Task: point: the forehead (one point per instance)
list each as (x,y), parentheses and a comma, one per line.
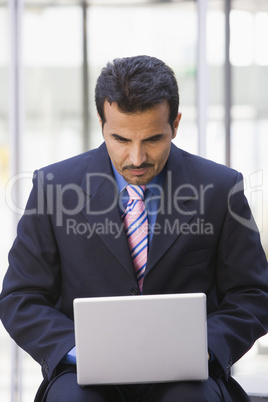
(154,118)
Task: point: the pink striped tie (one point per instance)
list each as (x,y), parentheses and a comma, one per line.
(136,226)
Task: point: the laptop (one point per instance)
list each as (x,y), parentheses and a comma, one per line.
(141,339)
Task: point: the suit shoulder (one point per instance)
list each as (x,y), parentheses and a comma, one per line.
(73,169)
(200,167)
(80,159)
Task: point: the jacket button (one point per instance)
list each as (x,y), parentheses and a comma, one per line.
(134,292)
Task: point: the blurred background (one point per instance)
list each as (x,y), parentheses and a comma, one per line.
(51,53)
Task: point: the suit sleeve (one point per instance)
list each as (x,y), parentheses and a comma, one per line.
(31,289)
(242,286)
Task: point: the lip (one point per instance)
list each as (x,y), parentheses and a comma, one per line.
(138,172)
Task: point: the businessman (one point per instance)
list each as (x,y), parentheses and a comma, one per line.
(76,239)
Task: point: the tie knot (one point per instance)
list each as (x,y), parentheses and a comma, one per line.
(136,192)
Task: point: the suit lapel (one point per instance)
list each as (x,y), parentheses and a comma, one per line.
(101,208)
(173,213)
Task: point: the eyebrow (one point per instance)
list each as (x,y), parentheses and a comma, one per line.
(152,138)
(119,137)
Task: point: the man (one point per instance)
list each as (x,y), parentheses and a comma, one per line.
(72,241)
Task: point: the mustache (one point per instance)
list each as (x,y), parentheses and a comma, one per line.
(142,166)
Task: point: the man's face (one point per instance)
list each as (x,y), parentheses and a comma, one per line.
(138,143)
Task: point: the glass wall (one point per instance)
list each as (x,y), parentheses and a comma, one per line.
(64,47)
(215,138)
(6,232)
(167,31)
(249,143)
(52,56)
(249,130)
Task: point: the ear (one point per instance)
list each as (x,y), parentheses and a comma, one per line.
(176,124)
(100,121)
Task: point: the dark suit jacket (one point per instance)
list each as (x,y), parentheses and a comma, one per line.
(70,244)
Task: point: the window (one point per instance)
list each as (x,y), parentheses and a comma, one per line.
(7,232)
(249,144)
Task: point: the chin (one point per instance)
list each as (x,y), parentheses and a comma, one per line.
(139,180)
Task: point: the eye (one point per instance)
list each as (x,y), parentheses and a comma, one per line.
(120,139)
(155,138)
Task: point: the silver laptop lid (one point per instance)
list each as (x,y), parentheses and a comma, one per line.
(141,339)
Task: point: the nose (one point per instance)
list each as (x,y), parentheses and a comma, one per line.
(137,154)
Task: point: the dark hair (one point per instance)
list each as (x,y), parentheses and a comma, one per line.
(137,84)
